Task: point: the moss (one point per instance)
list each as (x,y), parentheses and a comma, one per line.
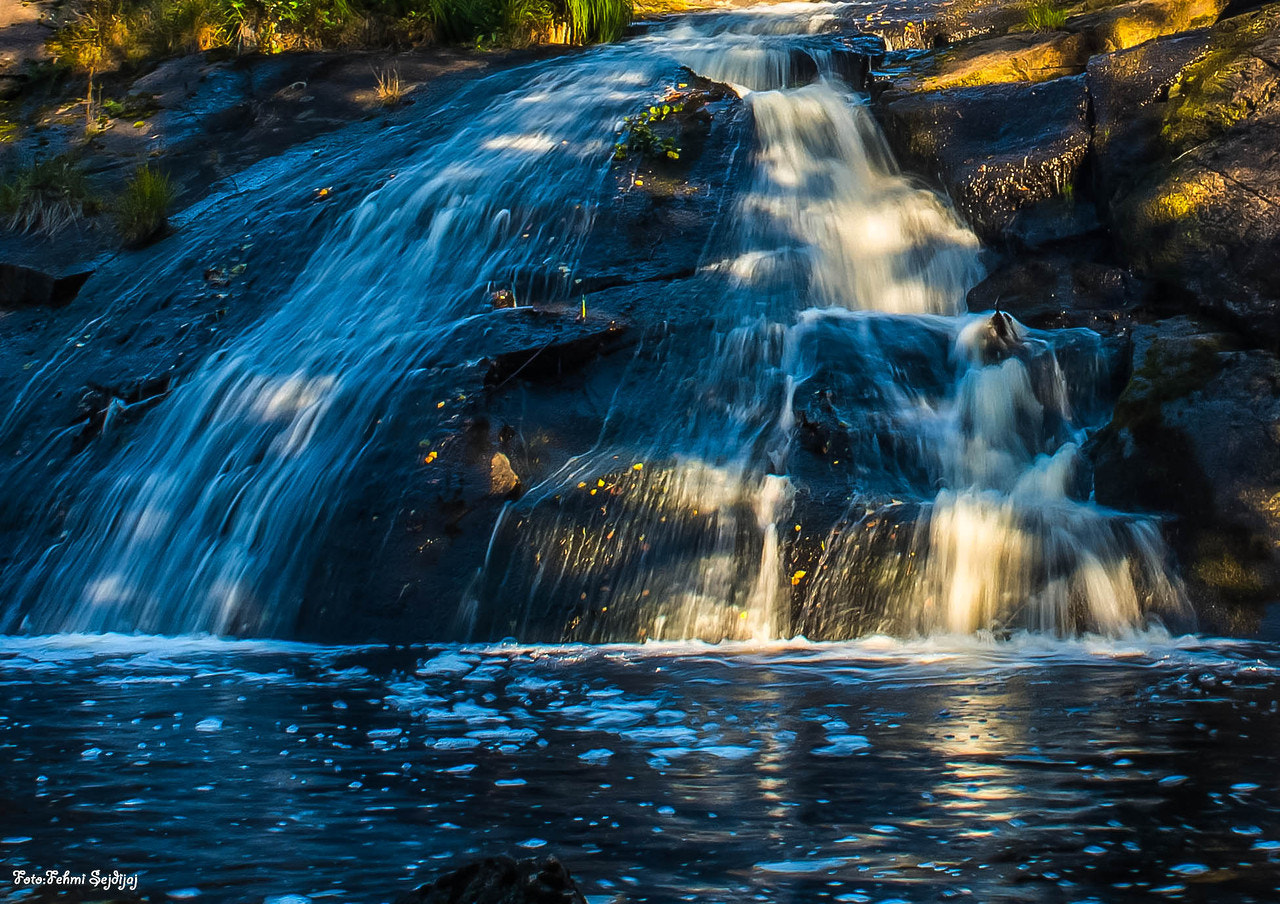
(1224,87)
(1227,567)
(1170,371)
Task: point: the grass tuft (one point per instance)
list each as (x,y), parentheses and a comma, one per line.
(391,90)
(46,197)
(1044,16)
(142,211)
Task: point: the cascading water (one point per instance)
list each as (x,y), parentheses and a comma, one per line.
(206,523)
(829,240)
(841,286)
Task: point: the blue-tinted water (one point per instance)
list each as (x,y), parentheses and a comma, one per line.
(1033,770)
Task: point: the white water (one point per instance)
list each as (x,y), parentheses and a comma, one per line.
(829,262)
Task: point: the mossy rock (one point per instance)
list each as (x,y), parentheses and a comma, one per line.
(1238,78)
(1019,57)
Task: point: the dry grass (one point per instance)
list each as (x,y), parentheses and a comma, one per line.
(391,90)
(46,197)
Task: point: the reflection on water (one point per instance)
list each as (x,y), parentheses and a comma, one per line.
(950,769)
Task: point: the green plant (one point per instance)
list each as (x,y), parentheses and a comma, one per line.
(46,197)
(638,135)
(598,21)
(87,43)
(142,211)
(1042,15)
(186,26)
(526,21)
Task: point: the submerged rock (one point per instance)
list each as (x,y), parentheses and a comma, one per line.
(501,880)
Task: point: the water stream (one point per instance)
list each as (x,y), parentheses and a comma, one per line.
(838,280)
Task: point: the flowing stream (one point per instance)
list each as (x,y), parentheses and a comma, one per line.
(841,288)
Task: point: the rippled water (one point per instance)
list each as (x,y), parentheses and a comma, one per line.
(1113,771)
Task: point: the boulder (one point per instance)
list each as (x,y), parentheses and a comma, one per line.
(501,880)
(1127,91)
(1125,25)
(1017,57)
(1206,214)
(1060,291)
(996,149)
(1196,433)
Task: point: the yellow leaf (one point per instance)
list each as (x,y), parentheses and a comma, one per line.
(798,577)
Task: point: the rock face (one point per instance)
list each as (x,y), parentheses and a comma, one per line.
(1196,433)
(1206,215)
(996,149)
(1060,291)
(1127,91)
(1126,25)
(24,287)
(501,880)
(1164,121)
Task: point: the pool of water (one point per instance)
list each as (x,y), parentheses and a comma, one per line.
(1027,770)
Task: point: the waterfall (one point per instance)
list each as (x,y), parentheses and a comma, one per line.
(961,491)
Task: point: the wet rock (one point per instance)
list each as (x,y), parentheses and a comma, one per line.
(1195,434)
(923,25)
(1060,291)
(997,150)
(1206,215)
(26,287)
(501,880)
(102,408)
(569,346)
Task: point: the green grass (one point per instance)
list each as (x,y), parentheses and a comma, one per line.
(598,21)
(142,211)
(100,35)
(1044,16)
(46,197)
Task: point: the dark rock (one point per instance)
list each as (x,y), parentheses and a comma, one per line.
(1206,214)
(232,119)
(570,347)
(501,880)
(24,287)
(1127,91)
(1060,291)
(1195,434)
(995,149)
(851,67)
